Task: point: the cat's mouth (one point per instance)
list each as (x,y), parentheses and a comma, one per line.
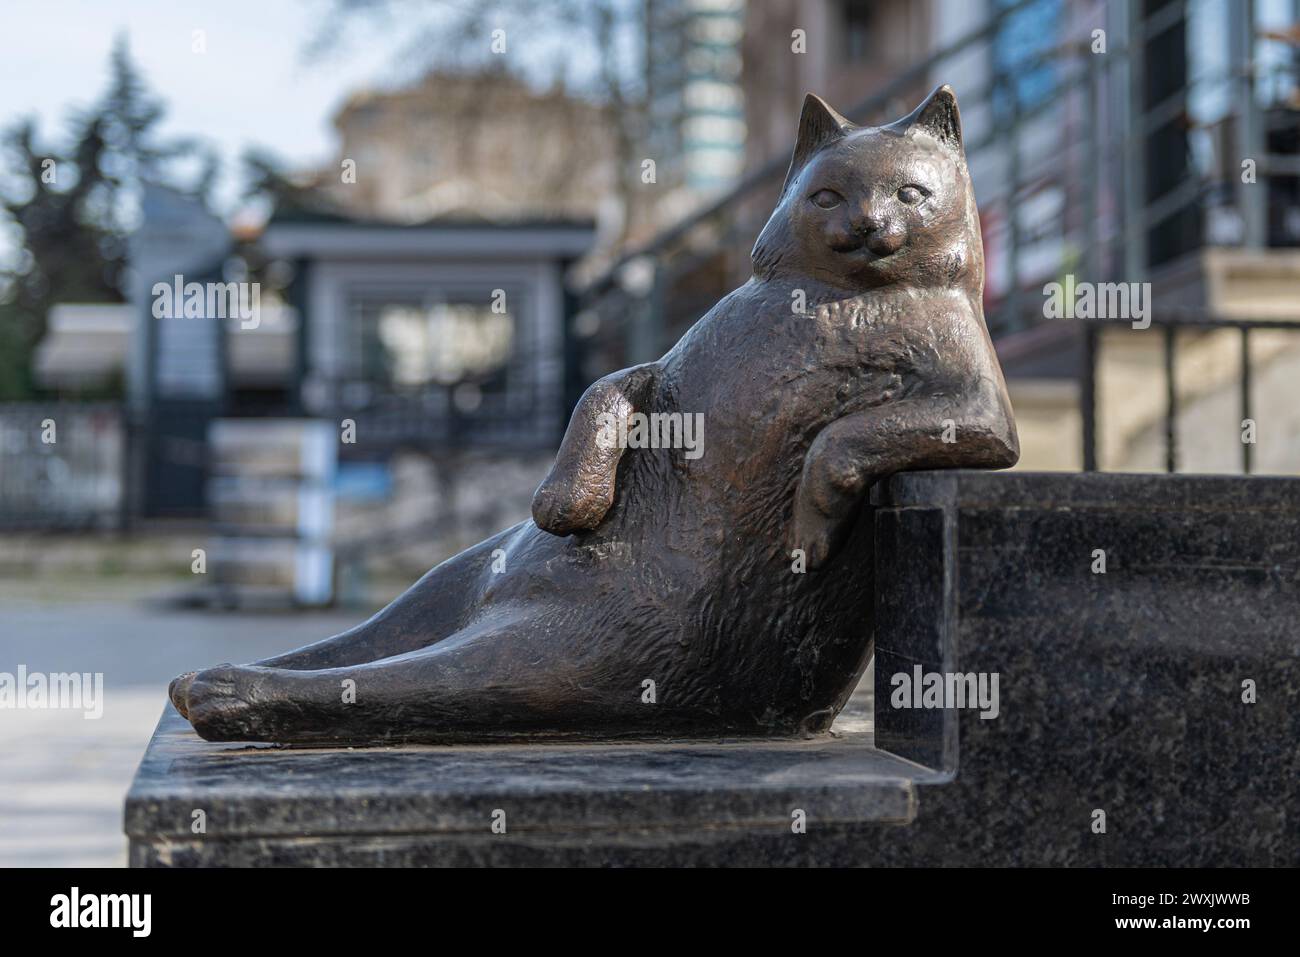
(870,249)
(863,252)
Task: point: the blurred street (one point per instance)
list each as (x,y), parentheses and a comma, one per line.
(61,793)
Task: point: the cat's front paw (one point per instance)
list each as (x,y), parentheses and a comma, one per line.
(811,535)
(825,504)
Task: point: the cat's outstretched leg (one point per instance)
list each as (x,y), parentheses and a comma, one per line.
(483,682)
(434,607)
(579,490)
(428,611)
(854,452)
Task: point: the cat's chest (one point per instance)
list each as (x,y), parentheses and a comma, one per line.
(831,343)
(761,364)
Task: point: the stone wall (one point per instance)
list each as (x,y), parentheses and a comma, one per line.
(1163,692)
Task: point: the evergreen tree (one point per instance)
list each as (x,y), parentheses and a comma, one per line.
(70,210)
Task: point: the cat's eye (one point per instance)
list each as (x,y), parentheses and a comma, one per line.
(826,198)
(911,195)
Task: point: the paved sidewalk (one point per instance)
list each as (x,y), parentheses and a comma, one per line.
(62,776)
(64,779)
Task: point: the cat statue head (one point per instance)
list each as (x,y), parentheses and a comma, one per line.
(868,207)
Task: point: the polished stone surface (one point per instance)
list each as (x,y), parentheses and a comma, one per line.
(1120,692)
(436,804)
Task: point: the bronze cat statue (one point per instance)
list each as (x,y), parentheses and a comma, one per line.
(663,593)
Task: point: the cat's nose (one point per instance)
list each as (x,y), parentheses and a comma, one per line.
(876,232)
(867,221)
(882,242)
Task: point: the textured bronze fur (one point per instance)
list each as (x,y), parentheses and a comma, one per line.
(644,565)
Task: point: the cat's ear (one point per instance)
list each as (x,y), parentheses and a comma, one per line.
(818,125)
(938,116)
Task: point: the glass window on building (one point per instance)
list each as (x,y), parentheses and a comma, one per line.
(414,343)
(1025,75)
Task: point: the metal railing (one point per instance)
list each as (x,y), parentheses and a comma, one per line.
(1098,162)
(1189,319)
(62,465)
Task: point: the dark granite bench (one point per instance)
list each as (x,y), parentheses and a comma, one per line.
(1120,692)
(599,803)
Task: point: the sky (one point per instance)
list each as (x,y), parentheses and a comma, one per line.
(257,82)
(255,85)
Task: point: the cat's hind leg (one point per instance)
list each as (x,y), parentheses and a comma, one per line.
(490,680)
(433,608)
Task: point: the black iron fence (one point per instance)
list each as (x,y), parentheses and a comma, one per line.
(1170,324)
(62,465)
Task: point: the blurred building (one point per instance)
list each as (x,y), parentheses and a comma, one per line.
(85,347)
(434,339)
(480,146)
(417,291)
(437,359)
(851,47)
(694,99)
(1150,141)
